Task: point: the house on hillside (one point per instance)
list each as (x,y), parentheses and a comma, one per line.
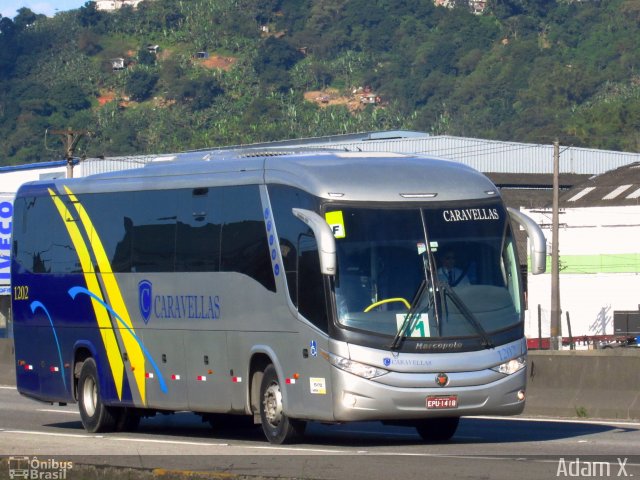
(110,5)
(118,64)
(476,6)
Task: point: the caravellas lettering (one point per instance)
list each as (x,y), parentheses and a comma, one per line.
(187,306)
(471,215)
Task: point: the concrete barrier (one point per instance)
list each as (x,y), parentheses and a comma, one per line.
(584,384)
(7,362)
(579,384)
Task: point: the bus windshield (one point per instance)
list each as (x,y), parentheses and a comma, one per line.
(454,268)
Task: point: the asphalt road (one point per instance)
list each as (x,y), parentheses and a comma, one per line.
(496,448)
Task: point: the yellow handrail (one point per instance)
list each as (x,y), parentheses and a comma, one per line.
(387,300)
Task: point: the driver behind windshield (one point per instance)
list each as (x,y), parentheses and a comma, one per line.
(448,272)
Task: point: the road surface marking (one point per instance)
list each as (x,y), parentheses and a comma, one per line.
(51,410)
(52,434)
(560,420)
(170,442)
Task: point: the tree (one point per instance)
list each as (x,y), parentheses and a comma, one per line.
(273,62)
(7,27)
(90,16)
(145,57)
(140,84)
(68,98)
(26,18)
(200,93)
(89,42)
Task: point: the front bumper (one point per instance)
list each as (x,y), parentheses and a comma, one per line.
(358,399)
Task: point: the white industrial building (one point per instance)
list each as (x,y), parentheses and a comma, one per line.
(599,259)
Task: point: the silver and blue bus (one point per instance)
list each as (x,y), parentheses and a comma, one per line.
(279,287)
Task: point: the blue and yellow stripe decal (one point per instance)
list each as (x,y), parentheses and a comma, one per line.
(102,316)
(116,301)
(111,290)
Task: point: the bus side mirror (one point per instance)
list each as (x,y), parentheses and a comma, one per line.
(537,242)
(324,237)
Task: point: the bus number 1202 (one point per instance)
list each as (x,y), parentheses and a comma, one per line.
(21,292)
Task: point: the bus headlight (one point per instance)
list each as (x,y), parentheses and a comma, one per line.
(512,366)
(359,369)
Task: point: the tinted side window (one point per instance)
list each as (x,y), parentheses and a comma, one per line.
(113,226)
(289,228)
(41,242)
(244,240)
(198,230)
(299,253)
(311,296)
(152,219)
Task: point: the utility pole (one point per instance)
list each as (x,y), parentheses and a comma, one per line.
(71,139)
(556,325)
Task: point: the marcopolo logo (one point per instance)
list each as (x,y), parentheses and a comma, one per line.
(145,295)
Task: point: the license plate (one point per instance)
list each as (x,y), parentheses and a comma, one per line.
(442,401)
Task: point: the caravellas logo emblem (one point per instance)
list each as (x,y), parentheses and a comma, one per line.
(442,379)
(144,299)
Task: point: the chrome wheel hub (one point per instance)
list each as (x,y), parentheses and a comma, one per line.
(272,402)
(90,396)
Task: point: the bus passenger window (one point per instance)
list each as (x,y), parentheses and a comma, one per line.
(199,226)
(311,297)
(244,239)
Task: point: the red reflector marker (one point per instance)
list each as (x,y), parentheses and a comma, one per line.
(175,377)
(201,378)
(290,381)
(236,379)
(54,369)
(148,375)
(28,367)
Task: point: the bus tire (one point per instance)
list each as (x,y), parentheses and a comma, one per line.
(127,420)
(277,427)
(95,415)
(437,429)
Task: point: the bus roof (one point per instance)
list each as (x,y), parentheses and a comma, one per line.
(348,176)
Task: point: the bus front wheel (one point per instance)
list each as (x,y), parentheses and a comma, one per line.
(277,427)
(437,429)
(95,415)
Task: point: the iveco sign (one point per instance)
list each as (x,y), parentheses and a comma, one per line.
(6,223)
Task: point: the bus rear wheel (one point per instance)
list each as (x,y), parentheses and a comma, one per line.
(95,415)
(127,419)
(437,429)
(277,427)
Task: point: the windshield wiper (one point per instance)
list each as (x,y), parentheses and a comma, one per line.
(467,314)
(409,319)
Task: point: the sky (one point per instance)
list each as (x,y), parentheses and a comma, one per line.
(9,8)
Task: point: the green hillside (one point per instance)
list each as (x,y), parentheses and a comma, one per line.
(243,71)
